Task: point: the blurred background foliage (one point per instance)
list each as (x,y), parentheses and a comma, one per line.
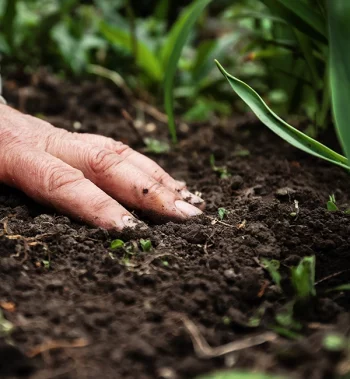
(130,42)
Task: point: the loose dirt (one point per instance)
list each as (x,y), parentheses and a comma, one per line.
(81,310)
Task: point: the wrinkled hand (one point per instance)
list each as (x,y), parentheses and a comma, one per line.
(85,175)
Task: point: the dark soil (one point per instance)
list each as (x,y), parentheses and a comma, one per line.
(95,313)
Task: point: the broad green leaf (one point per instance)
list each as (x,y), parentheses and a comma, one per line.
(301,16)
(339,37)
(280,127)
(239,375)
(177,43)
(145,59)
(117,244)
(303,278)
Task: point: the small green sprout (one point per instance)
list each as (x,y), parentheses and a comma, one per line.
(272,266)
(241,153)
(46,263)
(117,244)
(303,278)
(226,320)
(334,342)
(331,204)
(222,171)
(146,245)
(155,146)
(6,327)
(222,212)
(165,263)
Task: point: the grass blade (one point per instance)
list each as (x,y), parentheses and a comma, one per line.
(145,58)
(307,14)
(339,36)
(300,16)
(280,127)
(191,15)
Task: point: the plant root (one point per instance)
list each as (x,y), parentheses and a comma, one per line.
(205,351)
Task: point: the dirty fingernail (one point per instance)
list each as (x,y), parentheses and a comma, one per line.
(187,209)
(190,197)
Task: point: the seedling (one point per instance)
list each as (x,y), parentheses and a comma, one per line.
(303,278)
(334,342)
(155,146)
(146,245)
(46,263)
(117,244)
(331,204)
(6,327)
(222,212)
(222,171)
(273,266)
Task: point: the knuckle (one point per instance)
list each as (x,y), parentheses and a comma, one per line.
(163,177)
(123,149)
(57,178)
(102,160)
(99,204)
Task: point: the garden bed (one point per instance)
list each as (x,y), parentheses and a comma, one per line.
(81,310)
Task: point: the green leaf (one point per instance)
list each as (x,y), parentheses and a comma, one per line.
(301,16)
(117,244)
(222,212)
(145,59)
(156,146)
(280,127)
(146,244)
(239,375)
(307,13)
(273,266)
(6,327)
(176,44)
(303,278)
(334,342)
(339,36)
(331,204)
(342,287)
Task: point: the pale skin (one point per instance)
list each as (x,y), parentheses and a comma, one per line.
(91,178)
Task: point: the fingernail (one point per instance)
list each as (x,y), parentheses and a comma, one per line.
(131,222)
(187,209)
(190,197)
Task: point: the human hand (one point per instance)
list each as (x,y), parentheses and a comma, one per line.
(86,175)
